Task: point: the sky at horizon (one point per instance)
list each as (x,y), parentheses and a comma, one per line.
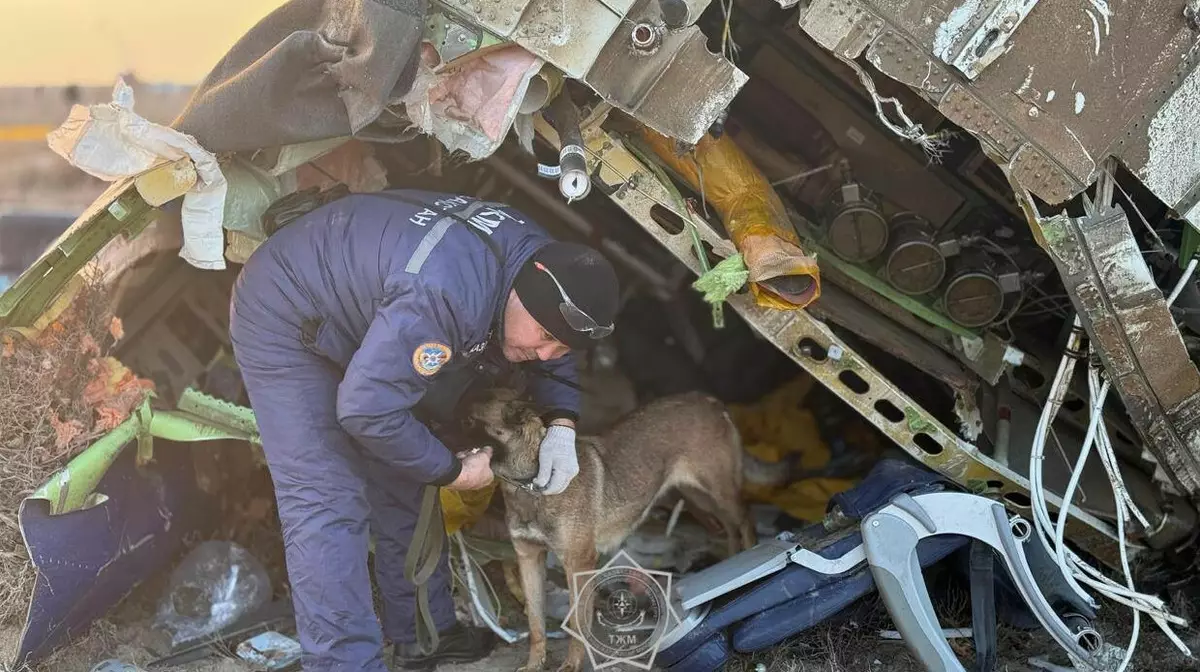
(90,42)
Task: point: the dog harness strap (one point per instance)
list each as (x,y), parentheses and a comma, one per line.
(422,559)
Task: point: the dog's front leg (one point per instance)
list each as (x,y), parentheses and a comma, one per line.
(580,557)
(531,559)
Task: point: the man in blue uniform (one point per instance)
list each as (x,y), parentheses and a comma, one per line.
(355,327)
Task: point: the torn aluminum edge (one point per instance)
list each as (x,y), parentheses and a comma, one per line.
(1131,328)
(625,52)
(800,336)
(660,87)
(971,52)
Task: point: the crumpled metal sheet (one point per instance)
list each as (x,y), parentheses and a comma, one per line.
(1076,82)
(680,89)
(1128,321)
(591,41)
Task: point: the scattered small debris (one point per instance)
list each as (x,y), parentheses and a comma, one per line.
(558,603)
(1040,663)
(215,585)
(114,665)
(271,650)
(948,633)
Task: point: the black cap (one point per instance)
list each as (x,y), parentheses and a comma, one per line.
(586,277)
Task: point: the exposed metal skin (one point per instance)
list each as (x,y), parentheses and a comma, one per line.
(1127,318)
(1068,85)
(639,55)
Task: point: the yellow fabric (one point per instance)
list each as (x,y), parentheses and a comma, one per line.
(753,214)
(775,427)
(804,499)
(460,508)
(779,424)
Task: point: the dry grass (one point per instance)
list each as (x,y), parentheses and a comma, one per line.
(850,643)
(58,392)
(843,644)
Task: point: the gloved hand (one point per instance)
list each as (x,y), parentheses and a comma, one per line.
(557,461)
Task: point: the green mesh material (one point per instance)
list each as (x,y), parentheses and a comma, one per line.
(724,279)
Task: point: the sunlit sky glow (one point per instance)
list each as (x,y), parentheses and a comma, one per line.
(88,42)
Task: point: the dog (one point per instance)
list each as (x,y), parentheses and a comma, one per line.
(685,442)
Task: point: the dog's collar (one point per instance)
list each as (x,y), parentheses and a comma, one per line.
(522,485)
(526,486)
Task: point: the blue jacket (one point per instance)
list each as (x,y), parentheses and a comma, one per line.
(397,295)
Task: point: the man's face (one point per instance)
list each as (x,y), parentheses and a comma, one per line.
(524,339)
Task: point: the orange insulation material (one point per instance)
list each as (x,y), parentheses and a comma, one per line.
(753,214)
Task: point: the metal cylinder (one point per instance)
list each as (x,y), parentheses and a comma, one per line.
(857,230)
(1084,632)
(645,37)
(573,182)
(973,296)
(914,263)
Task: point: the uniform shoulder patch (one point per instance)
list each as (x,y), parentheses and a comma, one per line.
(429,358)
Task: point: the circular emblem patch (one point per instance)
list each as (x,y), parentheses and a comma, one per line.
(429,358)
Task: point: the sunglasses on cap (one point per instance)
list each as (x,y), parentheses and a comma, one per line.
(573,314)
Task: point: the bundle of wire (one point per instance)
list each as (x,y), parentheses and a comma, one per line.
(1051,533)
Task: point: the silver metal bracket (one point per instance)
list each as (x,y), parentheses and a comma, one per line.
(890,538)
(989,40)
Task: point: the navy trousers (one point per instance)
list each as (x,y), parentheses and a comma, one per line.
(332,495)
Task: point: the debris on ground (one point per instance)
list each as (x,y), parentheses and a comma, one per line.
(59,391)
(215,585)
(270,650)
(114,665)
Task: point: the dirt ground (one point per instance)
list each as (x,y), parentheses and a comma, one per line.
(850,643)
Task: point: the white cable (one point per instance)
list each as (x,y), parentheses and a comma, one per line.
(473,589)
(1041,515)
(1108,456)
(1077,474)
(1072,565)
(1187,275)
(1137,614)
(1075,570)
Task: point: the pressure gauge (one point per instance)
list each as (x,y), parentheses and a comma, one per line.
(857,230)
(914,263)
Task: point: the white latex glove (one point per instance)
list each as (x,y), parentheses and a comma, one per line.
(557,461)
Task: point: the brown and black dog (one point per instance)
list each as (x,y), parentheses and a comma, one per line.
(685,442)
